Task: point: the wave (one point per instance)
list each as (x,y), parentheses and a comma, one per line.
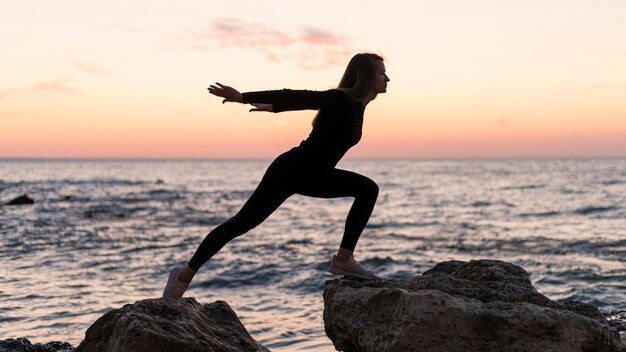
(524,187)
(617,319)
(612,182)
(593,210)
(95,182)
(377,261)
(482,204)
(590,210)
(545,214)
(106,212)
(154,195)
(393,224)
(162,194)
(237,279)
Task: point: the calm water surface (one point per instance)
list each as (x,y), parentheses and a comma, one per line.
(102,234)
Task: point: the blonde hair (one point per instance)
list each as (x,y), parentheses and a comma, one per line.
(358,78)
(359,75)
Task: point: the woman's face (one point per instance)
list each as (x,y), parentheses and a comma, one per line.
(380,78)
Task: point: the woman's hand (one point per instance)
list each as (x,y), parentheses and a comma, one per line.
(229,94)
(262,107)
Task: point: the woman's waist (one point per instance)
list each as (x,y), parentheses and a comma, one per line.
(308,157)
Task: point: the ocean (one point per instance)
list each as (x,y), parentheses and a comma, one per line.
(104,233)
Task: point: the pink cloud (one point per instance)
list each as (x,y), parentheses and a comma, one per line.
(246,35)
(53,86)
(317,36)
(89,67)
(125,28)
(309,47)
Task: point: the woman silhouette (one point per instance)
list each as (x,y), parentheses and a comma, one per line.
(308,169)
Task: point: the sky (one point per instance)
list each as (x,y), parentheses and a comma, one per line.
(469,79)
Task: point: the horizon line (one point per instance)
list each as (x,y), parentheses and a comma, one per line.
(8,158)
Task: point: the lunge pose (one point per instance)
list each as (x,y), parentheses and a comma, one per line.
(308,169)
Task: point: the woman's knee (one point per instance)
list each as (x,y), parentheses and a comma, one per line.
(369,188)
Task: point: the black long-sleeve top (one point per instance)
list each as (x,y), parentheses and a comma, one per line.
(337,128)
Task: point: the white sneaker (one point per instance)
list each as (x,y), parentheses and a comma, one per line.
(174,289)
(349,267)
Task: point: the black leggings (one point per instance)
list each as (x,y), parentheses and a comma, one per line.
(275,188)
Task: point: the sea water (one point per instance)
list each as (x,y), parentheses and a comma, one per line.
(104,233)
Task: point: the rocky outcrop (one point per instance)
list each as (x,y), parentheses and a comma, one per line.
(24,345)
(149,326)
(21,200)
(481,305)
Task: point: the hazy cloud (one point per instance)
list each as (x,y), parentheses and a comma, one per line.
(89,67)
(125,28)
(36,99)
(246,35)
(317,36)
(503,122)
(57,86)
(310,47)
(596,86)
(13,114)
(54,86)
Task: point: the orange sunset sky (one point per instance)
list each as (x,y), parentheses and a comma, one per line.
(108,79)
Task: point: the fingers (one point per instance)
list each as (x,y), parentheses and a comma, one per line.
(219,91)
(214,90)
(217,87)
(229,94)
(262,107)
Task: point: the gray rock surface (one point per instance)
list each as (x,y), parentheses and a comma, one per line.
(481,305)
(149,326)
(24,345)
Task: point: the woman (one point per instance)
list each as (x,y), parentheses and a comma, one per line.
(308,169)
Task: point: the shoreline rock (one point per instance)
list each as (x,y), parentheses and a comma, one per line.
(148,325)
(21,200)
(481,305)
(24,345)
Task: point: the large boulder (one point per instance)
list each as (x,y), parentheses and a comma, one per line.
(481,305)
(148,326)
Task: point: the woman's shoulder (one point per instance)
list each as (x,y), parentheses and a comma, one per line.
(347,97)
(344,94)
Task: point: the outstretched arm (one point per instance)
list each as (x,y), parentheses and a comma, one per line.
(275,100)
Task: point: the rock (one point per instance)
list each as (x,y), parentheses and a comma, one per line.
(21,200)
(481,305)
(148,326)
(24,345)
(617,319)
